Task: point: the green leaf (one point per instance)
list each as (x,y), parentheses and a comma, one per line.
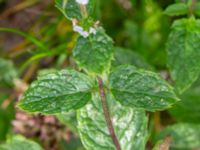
(130,126)
(197,9)
(7,72)
(69,119)
(57,92)
(188,110)
(125,56)
(184,136)
(177,9)
(94,54)
(141,89)
(71,9)
(19,143)
(183,50)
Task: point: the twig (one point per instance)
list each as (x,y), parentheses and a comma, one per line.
(107,114)
(166,143)
(8,101)
(157,121)
(18,7)
(30,72)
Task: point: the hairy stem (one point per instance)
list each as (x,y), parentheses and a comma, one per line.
(107,114)
(83,9)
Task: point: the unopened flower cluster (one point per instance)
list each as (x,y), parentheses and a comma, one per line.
(80,29)
(82,32)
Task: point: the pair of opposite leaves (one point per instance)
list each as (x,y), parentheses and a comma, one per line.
(61,91)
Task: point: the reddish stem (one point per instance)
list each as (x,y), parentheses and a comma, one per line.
(107,114)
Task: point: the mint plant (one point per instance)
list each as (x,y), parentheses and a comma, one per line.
(103,95)
(110,103)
